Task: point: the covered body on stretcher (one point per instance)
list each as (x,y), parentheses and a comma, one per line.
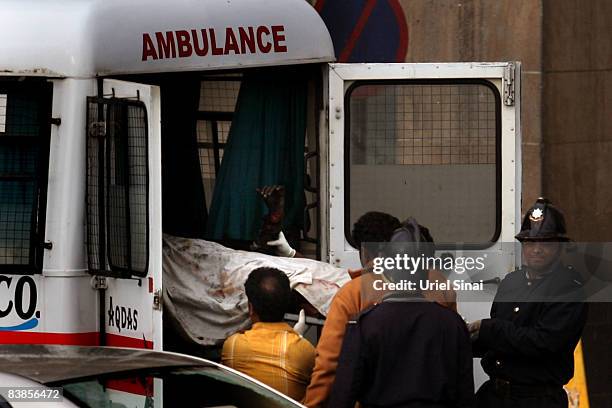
(203,283)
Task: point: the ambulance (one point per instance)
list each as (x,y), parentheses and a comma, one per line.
(93,93)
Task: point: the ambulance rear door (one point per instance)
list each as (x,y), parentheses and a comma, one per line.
(438,142)
(124,211)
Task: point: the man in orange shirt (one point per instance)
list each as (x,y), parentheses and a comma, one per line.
(271,351)
(351,300)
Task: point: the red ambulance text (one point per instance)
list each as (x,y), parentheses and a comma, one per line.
(206,41)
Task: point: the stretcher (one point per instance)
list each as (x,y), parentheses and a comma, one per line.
(203,281)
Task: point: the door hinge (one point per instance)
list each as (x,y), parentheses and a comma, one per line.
(157,299)
(509,81)
(99,282)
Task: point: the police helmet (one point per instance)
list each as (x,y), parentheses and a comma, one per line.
(543,222)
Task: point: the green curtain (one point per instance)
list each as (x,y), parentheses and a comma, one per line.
(265,146)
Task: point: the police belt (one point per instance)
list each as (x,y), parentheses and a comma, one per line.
(507,389)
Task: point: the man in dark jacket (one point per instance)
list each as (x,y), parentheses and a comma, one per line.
(405,351)
(536,321)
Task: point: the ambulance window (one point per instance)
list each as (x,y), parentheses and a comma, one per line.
(117,187)
(127,190)
(429,150)
(218,98)
(24,152)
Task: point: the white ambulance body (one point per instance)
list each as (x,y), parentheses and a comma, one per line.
(68,66)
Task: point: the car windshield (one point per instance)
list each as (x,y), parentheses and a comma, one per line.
(175,387)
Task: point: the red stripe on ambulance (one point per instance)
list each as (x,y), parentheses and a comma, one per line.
(73,339)
(117,340)
(206,41)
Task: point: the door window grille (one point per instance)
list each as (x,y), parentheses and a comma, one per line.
(25,111)
(117,187)
(429,150)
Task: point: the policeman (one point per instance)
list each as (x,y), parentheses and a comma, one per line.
(536,321)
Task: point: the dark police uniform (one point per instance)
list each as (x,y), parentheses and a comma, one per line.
(528,343)
(405,352)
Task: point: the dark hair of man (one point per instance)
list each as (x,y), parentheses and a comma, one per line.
(425,234)
(268,290)
(374,226)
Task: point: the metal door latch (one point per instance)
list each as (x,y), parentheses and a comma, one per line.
(157,298)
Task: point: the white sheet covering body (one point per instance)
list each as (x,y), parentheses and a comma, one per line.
(203,286)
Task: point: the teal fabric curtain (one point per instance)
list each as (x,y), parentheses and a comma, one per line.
(265,146)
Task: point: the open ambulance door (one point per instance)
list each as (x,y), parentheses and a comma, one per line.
(439,142)
(124,211)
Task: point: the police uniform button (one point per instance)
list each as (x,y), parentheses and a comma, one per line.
(516,309)
(497,363)
(528,283)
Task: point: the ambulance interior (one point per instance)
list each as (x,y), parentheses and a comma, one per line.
(270,116)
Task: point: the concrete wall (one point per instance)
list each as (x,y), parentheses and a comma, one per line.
(577,148)
(482,30)
(577,120)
